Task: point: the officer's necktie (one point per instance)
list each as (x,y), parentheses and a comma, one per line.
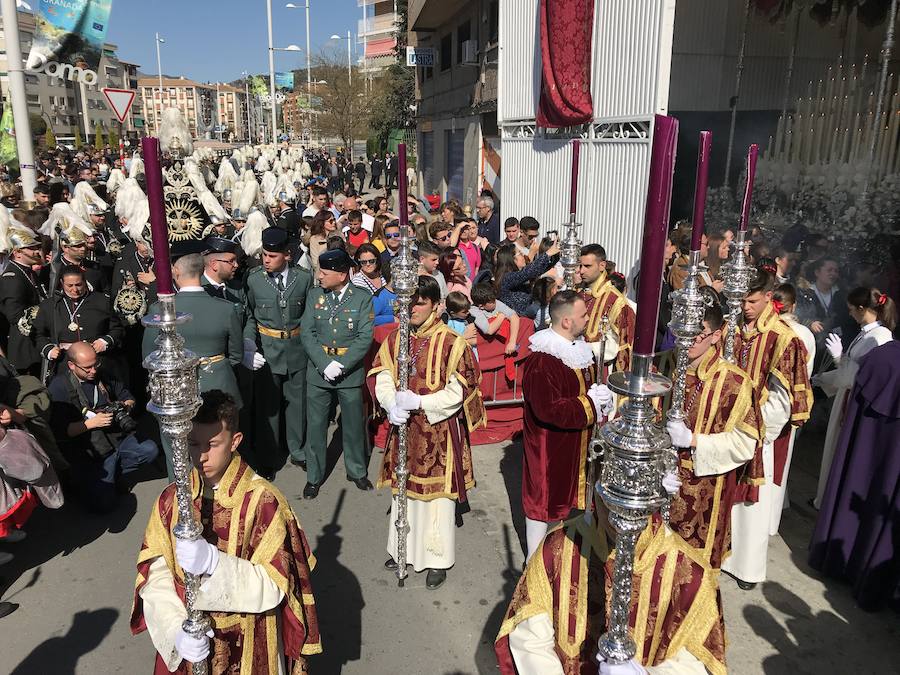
(279,283)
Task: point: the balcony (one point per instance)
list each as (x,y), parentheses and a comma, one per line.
(430,15)
(370,3)
(374,25)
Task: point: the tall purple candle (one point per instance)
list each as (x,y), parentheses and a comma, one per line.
(656,223)
(573,194)
(700,188)
(401,186)
(159,228)
(752,154)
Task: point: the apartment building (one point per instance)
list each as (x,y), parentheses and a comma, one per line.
(376,33)
(198,104)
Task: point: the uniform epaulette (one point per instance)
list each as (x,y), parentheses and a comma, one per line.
(255,270)
(9,274)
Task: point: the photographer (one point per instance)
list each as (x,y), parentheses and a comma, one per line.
(92,421)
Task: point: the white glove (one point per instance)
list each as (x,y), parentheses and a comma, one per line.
(631,667)
(671,483)
(397,415)
(408,400)
(679,433)
(252,360)
(332,371)
(197,556)
(834,346)
(191,649)
(602,397)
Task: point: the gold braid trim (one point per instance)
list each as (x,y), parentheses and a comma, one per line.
(540,594)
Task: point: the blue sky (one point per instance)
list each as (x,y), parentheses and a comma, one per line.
(215,41)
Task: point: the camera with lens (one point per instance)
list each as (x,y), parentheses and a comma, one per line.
(122,419)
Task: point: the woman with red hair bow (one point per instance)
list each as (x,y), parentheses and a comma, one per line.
(876,315)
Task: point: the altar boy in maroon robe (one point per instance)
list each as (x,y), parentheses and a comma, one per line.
(562,403)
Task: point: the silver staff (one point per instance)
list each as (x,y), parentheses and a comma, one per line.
(688,306)
(570,253)
(174,399)
(595,446)
(737,272)
(631,487)
(404,272)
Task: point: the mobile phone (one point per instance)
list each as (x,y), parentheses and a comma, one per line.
(553,236)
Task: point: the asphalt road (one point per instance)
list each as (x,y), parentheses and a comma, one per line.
(74,577)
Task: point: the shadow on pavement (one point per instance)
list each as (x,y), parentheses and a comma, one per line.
(60,655)
(511,469)
(339,601)
(485,658)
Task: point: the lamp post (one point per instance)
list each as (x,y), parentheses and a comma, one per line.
(272,74)
(272,50)
(349,56)
(291,5)
(158,111)
(247,102)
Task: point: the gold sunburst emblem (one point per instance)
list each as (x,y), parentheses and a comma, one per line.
(185,219)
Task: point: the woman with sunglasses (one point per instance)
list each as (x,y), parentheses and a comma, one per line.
(323,226)
(368,259)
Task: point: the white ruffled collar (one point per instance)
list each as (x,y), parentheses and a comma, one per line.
(576,355)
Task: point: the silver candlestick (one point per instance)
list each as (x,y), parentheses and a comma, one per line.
(631,487)
(404,273)
(570,253)
(688,306)
(175,399)
(737,272)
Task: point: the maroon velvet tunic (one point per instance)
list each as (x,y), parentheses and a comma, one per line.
(557,428)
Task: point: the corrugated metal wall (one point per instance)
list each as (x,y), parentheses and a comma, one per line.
(518,73)
(611,195)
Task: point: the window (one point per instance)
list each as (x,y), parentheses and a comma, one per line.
(446,52)
(463,32)
(33,99)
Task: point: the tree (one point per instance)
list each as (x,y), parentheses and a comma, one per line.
(78,140)
(396,90)
(344,112)
(99,141)
(113,139)
(49,138)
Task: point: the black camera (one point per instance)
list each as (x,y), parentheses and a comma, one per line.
(122,419)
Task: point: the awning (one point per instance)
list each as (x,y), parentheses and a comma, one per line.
(383,47)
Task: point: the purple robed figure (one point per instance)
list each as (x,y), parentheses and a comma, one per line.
(856,535)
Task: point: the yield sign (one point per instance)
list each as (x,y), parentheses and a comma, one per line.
(119,100)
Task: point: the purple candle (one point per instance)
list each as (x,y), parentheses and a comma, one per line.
(573,195)
(752,154)
(402,187)
(700,188)
(656,224)
(159,228)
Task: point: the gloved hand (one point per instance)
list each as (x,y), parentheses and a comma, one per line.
(631,667)
(834,346)
(332,371)
(252,360)
(408,400)
(671,483)
(602,397)
(397,415)
(191,649)
(679,433)
(197,556)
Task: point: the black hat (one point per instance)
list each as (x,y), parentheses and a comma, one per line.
(274,240)
(187,247)
(214,244)
(335,260)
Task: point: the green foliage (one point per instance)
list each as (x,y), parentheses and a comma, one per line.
(79,141)
(99,141)
(396,91)
(49,138)
(113,139)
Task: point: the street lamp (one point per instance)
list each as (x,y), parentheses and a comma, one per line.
(158,111)
(289,48)
(291,5)
(349,56)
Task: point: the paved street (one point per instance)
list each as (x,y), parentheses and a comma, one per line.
(74,575)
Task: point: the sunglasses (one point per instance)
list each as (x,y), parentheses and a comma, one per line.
(367,261)
(392,235)
(444,238)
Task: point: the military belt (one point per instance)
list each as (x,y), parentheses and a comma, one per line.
(209,360)
(278,334)
(335,351)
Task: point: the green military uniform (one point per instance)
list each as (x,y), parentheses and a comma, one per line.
(274,308)
(336,328)
(213,334)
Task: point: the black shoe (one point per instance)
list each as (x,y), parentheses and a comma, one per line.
(390,564)
(7,608)
(299,462)
(435,579)
(362,483)
(745,585)
(5,557)
(311,491)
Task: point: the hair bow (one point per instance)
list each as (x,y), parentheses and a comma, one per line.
(882,299)
(778,306)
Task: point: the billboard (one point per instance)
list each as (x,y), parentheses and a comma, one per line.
(284,81)
(68,39)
